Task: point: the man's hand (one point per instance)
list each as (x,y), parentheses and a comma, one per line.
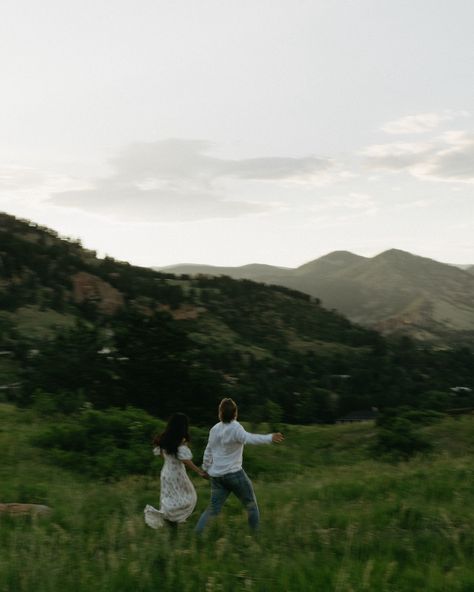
(277,437)
(205,475)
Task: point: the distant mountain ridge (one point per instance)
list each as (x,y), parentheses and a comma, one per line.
(248,272)
(392,292)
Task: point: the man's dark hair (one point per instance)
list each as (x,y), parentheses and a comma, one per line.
(227,410)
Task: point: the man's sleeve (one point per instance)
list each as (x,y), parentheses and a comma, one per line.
(207,458)
(247,438)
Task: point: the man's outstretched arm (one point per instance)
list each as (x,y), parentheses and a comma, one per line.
(247,438)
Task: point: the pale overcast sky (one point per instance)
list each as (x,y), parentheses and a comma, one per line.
(237,131)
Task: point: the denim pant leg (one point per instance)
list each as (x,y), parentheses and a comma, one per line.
(242,488)
(219,494)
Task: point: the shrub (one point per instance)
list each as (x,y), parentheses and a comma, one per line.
(399,440)
(63,401)
(104,444)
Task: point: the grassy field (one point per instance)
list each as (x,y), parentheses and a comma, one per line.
(333,519)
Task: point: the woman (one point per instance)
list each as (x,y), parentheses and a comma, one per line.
(178,496)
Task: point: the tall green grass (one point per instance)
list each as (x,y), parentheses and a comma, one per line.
(332,520)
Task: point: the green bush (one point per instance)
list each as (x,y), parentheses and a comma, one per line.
(399,440)
(104,444)
(423,417)
(47,404)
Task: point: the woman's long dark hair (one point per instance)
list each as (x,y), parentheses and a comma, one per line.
(175,432)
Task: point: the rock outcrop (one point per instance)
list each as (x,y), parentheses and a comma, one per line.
(14,509)
(90,288)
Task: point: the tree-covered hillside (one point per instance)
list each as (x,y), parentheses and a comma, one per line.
(76,330)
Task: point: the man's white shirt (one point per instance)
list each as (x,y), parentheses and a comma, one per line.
(225,447)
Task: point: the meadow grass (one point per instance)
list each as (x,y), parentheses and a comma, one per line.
(332,520)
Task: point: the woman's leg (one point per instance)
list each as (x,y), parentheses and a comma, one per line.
(219,494)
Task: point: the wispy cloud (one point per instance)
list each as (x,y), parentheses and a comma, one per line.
(396,156)
(421,123)
(447,158)
(455,162)
(30,185)
(178,180)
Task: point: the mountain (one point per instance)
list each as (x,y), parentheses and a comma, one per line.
(329,265)
(393,292)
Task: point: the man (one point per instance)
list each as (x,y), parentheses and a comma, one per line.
(223,462)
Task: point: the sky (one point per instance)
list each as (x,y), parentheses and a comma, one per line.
(229,132)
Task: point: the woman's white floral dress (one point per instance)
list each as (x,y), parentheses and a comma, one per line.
(177,496)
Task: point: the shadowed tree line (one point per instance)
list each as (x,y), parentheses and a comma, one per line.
(152,363)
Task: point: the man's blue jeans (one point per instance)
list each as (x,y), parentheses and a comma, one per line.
(221,487)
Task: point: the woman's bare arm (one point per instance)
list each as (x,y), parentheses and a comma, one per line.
(193,467)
